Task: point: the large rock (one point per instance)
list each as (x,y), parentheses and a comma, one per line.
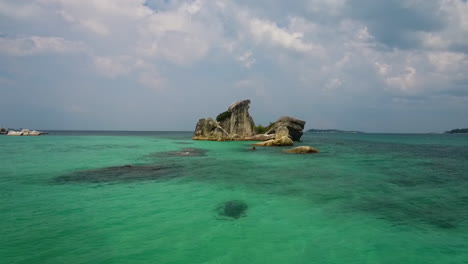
(234,124)
(283,141)
(302,150)
(240,122)
(209,129)
(294,126)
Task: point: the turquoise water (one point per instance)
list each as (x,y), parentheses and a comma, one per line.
(366,198)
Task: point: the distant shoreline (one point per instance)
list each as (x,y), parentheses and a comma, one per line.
(457,131)
(333,131)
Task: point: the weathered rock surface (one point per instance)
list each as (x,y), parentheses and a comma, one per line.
(261,137)
(209,129)
(294,126)
(240,122)
(14,133)
(25,132)
(281,131)
(236,124)
(283,141)
(302,150)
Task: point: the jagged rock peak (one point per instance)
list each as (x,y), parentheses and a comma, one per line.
(239,104)
(234,124)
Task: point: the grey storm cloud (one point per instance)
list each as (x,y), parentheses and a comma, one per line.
(135,64)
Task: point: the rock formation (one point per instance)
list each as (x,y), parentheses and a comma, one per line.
(25,132)
(293,125)
(237,124)
(302,150)
(234,124)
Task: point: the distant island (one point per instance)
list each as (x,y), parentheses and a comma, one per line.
(22,132)
(331,131)
(458,131)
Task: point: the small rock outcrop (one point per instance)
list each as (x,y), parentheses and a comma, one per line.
(262,137)
(25,132)
(302,150)
(283,141)
(293,126)
(234,124)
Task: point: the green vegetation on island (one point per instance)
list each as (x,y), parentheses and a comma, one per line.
(331,131)
(223,116)
(458,131)
(263,129)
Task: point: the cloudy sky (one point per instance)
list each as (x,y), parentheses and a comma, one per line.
(370,65)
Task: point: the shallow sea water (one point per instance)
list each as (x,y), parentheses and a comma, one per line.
(70,197)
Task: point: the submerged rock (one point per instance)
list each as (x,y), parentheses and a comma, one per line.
(186,152)
(417,212)
(184,143)
(233,209)
(121,174)
(302,150)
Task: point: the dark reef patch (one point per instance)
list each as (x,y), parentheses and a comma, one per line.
(122,174)
(414,211)
(231,210)
(184,143)
(186,152)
